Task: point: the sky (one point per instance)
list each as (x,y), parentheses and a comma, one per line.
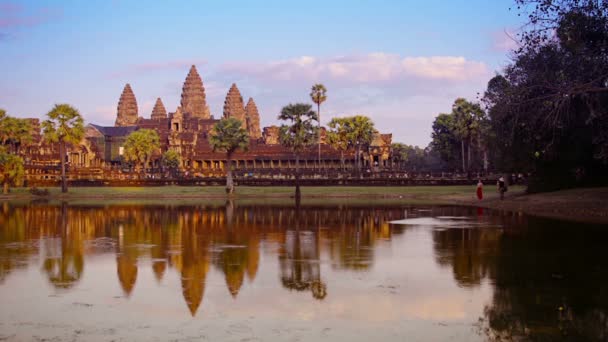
(399,62)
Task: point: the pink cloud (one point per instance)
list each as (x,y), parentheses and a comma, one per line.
(371,68)
(15,16)
(504,41)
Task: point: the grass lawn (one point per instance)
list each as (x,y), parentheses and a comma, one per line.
(418,193)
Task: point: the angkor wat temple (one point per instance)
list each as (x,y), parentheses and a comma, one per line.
(186,130)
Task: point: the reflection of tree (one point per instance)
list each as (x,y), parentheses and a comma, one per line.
(546,292)
(469,252)
(64,259)
(14,232)
(299,263)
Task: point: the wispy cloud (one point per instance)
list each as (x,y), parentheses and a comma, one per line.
(143,68)
(504,41)
(15,16)
(372,68)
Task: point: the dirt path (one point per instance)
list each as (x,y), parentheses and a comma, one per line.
(582,205)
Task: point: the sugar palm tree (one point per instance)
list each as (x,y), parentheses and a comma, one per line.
(318,94)
(228,136)
(64,125)
(299,134)
(360,132)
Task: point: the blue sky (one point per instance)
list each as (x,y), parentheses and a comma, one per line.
(399,62)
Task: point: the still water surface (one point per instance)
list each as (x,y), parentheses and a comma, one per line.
(267,272)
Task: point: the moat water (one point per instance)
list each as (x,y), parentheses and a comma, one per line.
(267,272)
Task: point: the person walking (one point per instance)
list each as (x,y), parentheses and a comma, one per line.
(479,190)
(502,187)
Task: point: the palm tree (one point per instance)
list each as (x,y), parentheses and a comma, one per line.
(467,117)
(338,138)
(65,125)
(14,132)
(11,169)
(318,96)
(228,136)
(361,133)
(300,134)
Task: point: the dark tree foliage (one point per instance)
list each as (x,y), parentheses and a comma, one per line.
(549,110)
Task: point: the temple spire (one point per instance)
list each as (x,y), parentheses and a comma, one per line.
(127,108)
(194,100)
(159,111)
(233,105)
(252,117)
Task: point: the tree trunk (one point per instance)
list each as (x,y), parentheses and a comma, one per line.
(469,153)
(485,160)
(298,194)
(5,186)
(62,154)
(462,154)
(342,160)
(319,113)
(229,181)
(358,156)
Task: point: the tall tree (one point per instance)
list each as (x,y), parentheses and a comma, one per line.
(11,169)
(444,140)
(318,94)
(550,106)
(338,137)
(228,136)
(64,126)
(171,160)
(299,134)
(14,132)
(139,147)
(360,132)
(467,121)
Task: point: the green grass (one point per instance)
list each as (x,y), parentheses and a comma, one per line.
(252,190)
(192,195)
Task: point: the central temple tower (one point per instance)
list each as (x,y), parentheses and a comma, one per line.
(194,101)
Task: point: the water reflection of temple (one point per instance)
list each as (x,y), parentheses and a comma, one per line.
(192,239)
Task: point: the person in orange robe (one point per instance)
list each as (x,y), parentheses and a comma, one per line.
(479,190)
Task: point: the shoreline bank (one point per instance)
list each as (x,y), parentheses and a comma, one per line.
(582,205)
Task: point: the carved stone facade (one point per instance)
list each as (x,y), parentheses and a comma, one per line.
(194,100)
(271,135)
(127,108)
(234,106)
(252,117)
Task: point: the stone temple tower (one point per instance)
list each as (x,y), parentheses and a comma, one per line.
(127,108)
(252,116)
(194,100)
(159,111)
(234,106)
